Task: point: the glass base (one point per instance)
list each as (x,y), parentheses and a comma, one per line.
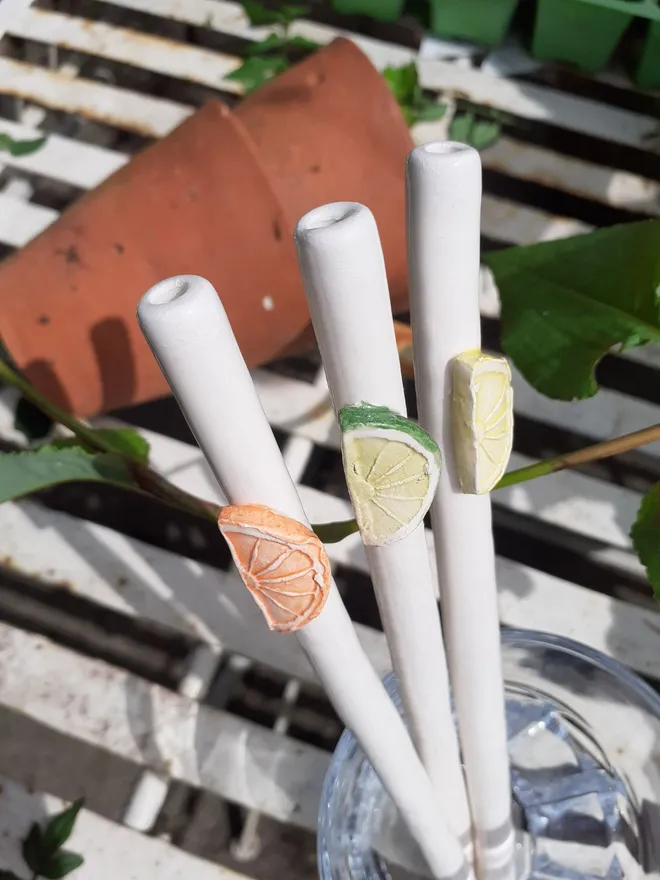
(584,747)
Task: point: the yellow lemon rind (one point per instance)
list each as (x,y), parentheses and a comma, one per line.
(466,370)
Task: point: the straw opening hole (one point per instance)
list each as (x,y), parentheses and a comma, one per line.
(168,291)
(330,215)
(445,148)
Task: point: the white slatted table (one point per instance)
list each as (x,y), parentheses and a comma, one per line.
(598,159)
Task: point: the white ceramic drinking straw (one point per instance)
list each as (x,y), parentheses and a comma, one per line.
(443,207)
(188,331)
(342,265)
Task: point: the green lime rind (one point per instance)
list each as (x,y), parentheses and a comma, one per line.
(365,415)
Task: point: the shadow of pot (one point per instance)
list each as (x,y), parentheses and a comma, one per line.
(196,202)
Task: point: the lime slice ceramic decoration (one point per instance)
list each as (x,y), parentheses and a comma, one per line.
(482,416)
(392,468)
(282,562)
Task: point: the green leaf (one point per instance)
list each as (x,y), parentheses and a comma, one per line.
(25,148)
(61,864)
(480,133)
(256,71)
(461,127)
(78,428)
(403,82)
(427,111)
(260,14)
(333,532)
(485,132)
(415,106)
(31,848)
(290,12)
(301,44)
(645,535)
(20,148)
(22,473)
(276,43)
(58,829)
(566,303)
(125,441)
(270,44)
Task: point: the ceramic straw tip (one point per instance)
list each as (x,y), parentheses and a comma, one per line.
(338,243)
(445,152)
(343,269)
(445,160)
(443,184)
(169,298)
(189,333)
(445,148)
(167,291)
(341,217)
(335,230)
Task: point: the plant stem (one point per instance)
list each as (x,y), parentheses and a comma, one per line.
(147,479)
(153,483)
(82,431)
(581,456)
(332,532)
(605,449)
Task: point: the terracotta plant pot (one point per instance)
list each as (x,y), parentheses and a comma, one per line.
(218,197)
(196,202)
(330,130)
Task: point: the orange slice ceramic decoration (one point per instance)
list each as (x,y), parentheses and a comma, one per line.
(282,563)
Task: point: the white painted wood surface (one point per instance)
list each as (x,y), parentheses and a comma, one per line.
(136,578)
(532,102)
(127,110)
(587,514)
(127,47)
(151,726)
(109,850)
(20,221)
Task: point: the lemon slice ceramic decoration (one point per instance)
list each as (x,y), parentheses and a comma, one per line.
(482,413)
(392,468)
(282,562)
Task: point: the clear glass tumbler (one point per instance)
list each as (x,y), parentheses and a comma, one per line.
(584,745)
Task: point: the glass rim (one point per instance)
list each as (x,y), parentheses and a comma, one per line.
(516,636)
(511,637)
